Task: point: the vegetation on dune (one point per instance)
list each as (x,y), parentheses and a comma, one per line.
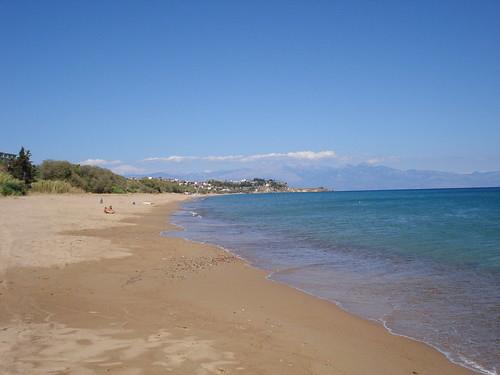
(22,168)
(54,187)
(88,178)
(99,180)
(10,185)
(19,175)
(16,175)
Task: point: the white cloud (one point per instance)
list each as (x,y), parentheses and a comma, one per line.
(99,162)
(173,158)
(177,158)
(298,155)
(127,169)
(374,161)
(116,166)
(381,159)
(222,158)
(310,155)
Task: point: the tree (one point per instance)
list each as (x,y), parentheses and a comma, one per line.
(22,168)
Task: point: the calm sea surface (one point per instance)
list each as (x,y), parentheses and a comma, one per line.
(425,263)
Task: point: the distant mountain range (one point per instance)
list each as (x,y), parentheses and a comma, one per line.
(352,177)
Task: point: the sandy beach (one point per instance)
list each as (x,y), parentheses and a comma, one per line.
(82,292)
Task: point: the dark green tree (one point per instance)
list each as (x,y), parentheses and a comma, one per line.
(22,168)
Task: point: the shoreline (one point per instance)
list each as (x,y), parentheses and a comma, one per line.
(176,305)
(478,369)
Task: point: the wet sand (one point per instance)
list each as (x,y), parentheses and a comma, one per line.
(82,292)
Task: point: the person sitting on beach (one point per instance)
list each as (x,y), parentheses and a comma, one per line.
(109,210)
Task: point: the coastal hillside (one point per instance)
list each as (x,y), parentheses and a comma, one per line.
(18,176)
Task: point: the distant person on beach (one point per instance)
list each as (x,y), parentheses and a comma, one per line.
(109,210)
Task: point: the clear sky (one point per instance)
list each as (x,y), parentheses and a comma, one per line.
(409,84)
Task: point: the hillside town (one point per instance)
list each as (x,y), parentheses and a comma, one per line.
(246,186)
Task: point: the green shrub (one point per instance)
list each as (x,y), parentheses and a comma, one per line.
(89,178)
(56,170)
(10,185)
(94,179)
(134,186)
(117,190)
(54,187)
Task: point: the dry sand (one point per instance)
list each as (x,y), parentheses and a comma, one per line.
(82,292)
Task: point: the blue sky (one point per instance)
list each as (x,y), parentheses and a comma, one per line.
(408,84)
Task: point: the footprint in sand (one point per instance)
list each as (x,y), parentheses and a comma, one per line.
(54,348)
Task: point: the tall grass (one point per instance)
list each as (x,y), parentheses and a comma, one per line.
(54,187)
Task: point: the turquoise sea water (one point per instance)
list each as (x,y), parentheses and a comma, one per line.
(425,263)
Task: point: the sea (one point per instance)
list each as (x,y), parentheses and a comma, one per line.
(423,263)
